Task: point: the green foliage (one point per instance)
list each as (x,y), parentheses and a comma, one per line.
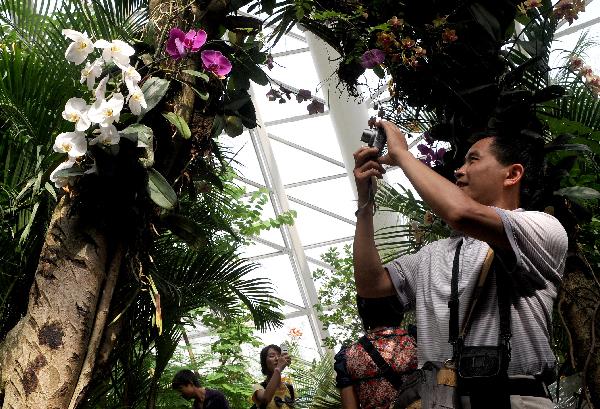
(185,255)
(223,364)
(337,298)
(314,381)
(231,375)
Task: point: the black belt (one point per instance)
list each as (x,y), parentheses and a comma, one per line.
(527,387)
(517,386)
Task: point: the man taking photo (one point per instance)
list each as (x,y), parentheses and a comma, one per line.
(485,208)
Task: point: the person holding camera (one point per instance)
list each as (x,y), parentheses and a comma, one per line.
(485,208)
(273,393)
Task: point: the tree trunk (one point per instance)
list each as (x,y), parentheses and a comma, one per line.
(579,302)
(42,357)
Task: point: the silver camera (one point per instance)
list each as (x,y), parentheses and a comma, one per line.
(375,138)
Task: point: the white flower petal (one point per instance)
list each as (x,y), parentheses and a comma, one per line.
(72,143)
(83,124)
(73,35)
(61,181)
(101,44)
(125,48)
(108,135)
(101,89)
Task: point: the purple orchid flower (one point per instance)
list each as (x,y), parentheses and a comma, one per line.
(175,43)
(372,58)
(180,44)
(216,62)
(194,40)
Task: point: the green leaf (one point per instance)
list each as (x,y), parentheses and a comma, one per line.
(217,126)
(160,190)
(187,229)
(198,74)
(257,74)
(180,124)
(144,137)
(578,193)
(233,125)
(203,96)
(154,89)
(378,70)
(237,100)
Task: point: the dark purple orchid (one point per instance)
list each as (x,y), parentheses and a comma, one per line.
(180,44)
(372,58)
(430,156)
(216,63)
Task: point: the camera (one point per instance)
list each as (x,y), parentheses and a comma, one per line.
(375,138)
(284,348)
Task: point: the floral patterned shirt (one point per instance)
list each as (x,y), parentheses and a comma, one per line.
(355,367)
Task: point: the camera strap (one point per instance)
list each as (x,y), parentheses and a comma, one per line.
(457,338)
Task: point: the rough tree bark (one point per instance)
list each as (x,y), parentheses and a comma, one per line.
(42,357)
(579,307)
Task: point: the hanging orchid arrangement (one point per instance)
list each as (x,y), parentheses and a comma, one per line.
(96,118)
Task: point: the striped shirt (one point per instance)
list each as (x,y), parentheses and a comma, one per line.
(422,281)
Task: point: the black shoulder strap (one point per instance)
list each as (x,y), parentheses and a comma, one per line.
(456,338)
(386,370)
(453,303)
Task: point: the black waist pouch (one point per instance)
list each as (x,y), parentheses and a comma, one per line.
(480,367)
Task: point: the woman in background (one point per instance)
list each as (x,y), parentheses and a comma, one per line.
(273,393)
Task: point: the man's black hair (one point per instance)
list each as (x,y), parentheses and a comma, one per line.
(185,377)
(263,357)
(519,138)
(528,151)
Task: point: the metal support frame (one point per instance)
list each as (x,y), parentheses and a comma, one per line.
(279,200)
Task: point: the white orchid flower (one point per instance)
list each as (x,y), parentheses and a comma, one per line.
(105,112)
(101,89)
(108,135)
(72,143)
(117,51)
(130,75)
(91,72)
(136,101)
(61,181)
(80,48)
(76,110)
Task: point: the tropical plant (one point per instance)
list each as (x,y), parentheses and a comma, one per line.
(129,252)
(224,363)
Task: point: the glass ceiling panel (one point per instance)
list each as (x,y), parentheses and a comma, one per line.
(333,195)
(279,270)
(245,161)
(255,249)
(315,227)
(321,137)
(287,70)
(296,166)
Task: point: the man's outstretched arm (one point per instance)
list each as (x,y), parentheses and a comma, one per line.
(446,199)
